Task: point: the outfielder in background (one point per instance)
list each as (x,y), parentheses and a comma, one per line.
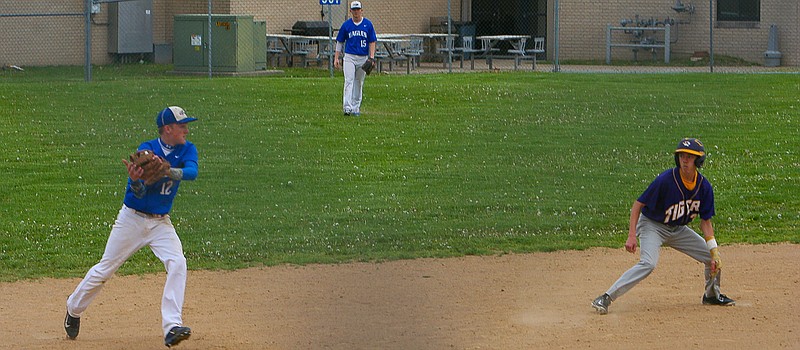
(660,217)
(144,221)
(357,37)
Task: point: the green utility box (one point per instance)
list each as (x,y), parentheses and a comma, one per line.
(260,44)
(237,43)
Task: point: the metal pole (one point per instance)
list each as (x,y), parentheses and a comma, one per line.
(209,39)
(331,49)
(556,66)
(667,49)
(711,35)
(608,44)
(450,40)
(87,64)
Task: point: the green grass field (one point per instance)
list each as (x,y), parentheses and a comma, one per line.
(437,165)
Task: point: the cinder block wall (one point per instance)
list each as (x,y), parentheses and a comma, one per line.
(60,40)
(42,41)
(403,16)
(750,43)
(583,29)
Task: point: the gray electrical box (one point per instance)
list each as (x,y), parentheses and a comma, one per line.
(130,27)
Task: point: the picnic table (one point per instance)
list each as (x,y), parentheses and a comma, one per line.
(490,41)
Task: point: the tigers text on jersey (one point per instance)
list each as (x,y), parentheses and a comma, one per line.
(356,38)
(668,201)
(159,196)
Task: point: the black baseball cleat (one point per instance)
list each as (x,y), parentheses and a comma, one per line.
(722,300)
(176,335)
(72,325)
(601,304)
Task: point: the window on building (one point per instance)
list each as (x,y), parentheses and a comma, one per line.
(739,10)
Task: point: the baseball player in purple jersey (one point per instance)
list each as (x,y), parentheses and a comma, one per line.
(660,217)
(144,221)
(357,37)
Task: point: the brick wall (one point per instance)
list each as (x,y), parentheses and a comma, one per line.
(583,30)
(42,40)
(404,16)
(60,41)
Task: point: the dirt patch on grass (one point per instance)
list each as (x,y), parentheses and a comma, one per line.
(515,301)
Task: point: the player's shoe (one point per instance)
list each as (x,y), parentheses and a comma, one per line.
(72,325)
(601,304)
(357,114)
(176,335)
(721,300)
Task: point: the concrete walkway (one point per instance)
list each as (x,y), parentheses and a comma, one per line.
(505,65)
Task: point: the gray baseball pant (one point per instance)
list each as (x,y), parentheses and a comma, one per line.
(652,235)
(353,82)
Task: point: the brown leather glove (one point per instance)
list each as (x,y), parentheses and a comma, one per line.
(154,166)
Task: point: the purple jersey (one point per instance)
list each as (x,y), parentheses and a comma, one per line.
(668,201)
(356,38)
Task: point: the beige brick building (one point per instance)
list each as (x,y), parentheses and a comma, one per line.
(583,28)
(59,40)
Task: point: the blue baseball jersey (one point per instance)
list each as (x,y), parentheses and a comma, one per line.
(668,201)
(356,38)
(159,196)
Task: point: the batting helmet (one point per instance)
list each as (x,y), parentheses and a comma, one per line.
(691,146)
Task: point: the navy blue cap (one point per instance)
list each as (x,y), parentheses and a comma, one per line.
(172,115)
(691,146)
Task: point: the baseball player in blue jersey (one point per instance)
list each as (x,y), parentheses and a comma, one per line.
(660,217)
(144,221)
(357,37)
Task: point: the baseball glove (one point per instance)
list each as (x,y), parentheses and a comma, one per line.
(153,169)
(369,65)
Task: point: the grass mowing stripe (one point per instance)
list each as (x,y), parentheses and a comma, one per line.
(438,165)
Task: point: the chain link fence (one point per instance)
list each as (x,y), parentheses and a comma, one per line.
(259,36)
(33,33)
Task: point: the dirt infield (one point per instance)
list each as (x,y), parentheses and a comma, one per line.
(516,301)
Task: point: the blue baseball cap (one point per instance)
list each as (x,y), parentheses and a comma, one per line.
(172,115)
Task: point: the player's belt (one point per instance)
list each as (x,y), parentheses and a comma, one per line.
(148,215)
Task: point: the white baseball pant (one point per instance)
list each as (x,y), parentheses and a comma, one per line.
(131,232)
